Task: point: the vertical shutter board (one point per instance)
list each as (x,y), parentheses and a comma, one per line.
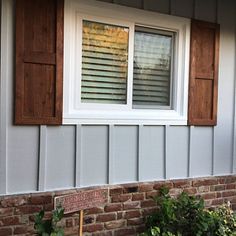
(39,62)
(203,84)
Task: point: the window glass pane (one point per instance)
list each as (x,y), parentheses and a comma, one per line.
(152,68)
(104,63)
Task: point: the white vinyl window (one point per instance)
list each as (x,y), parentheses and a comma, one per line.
(124,66)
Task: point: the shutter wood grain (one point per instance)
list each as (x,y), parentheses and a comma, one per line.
(203,83)
(39,62)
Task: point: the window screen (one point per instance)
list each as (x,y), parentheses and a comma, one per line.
(104,63)
(153,56)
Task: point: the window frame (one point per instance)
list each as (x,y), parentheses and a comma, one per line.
(85,113)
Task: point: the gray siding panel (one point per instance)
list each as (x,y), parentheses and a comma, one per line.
(205,10)
(6,58)
(201,153)
(177,152)
(183,8)
(162,6)
(94,147)
(22,163)
(125,154)
(152,150)
(60,164)
(224,128)
(130,3)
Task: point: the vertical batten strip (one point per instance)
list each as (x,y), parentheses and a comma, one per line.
(190,150)
(233,168)
(110,154)
(78,156)
(165,151)
(42,158)
(139,147)
(6,62)
(213,129)
(213,152)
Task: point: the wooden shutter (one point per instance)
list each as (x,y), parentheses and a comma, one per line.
(203,84)
(39,61)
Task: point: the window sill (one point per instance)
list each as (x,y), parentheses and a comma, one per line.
(161,117)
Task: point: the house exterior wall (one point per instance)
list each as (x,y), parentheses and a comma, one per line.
(44,158)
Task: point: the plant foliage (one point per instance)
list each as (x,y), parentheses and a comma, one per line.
(186,216)
(49,227)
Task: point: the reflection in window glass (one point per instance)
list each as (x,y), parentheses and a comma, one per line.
(104,63)
(152,68)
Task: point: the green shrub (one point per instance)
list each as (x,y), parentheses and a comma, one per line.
(186,216)
(49,227)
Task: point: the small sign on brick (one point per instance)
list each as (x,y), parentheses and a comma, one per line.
(81,200)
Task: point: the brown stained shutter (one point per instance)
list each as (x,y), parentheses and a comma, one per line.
(203,84)
(39,61)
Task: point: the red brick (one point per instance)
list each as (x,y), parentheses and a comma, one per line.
(208,196)
(148,203)
(181,183)
(108,233)
(131,205)
(115,224)
(48,207)
(106,217)
(94,210)
(229,193)
(14,201)
(125,232)
(149,211)
(135,221)
(113,207)
(6,211)
(132,214)
(116,191)
(131,188)
(145,187)
(220,187)
(138,196)
(10,220)
(162,184)
(28,209)
(231,179)
(231,186)
(5,231)
(204,182)
(216,202)
(38,199)
(190,191)
(120,215)
(203,189)
(93,228)
(71,231)
(69,222)
(221,180)
(20,230)
(122,198)
(151,194)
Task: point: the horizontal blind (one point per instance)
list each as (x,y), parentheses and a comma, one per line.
(152,68)
(104,63)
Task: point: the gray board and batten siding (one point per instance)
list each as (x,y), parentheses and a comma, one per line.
(42,158)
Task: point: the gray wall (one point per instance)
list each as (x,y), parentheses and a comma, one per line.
(43,158)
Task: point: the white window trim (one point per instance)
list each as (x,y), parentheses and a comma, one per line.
(78,113)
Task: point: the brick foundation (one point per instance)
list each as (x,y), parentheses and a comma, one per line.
(123,214)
